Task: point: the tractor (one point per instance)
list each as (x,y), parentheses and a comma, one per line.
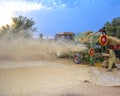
(64,36)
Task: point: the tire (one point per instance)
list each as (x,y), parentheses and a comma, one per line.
(77,58)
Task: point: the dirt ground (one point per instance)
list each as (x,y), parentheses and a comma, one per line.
(31,68)
(58,77)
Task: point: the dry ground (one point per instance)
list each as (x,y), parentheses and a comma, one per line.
(58,77)
(30,68)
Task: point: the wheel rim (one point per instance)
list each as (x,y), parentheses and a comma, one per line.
(103,40)
(76,59)
(91,51)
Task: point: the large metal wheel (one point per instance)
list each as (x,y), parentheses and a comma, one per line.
(103,40)
(77,58)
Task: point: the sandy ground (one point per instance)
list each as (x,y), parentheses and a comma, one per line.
(58,77)
(31,68)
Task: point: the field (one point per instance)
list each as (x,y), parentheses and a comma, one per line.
(31,68)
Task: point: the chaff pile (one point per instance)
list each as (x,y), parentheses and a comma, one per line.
(113,40)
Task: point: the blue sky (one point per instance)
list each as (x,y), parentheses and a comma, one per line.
(52,16)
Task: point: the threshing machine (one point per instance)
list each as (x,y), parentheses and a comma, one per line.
(96,43)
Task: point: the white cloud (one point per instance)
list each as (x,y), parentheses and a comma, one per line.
(79,3)
(21,6)
(27,6)
(59,4)
(11,8)
(53,3)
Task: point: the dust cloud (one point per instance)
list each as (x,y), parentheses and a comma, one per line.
(42,77)
(35,49)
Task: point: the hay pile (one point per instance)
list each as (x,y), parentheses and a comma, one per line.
(84,37)
(113,40)
(88,37)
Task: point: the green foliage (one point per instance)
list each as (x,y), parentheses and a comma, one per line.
(22,27)
(23,23)
(113,28)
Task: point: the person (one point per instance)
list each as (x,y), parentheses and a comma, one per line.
(102,31)
(110,61)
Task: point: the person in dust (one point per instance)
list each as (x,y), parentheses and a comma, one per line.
(109,61)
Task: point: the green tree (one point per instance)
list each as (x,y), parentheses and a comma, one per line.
(22,27)
(23,23)
(113,28)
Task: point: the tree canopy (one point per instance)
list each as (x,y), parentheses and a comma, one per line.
(113,28)
(22,27)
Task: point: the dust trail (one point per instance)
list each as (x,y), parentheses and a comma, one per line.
(32,49)
(24,49)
